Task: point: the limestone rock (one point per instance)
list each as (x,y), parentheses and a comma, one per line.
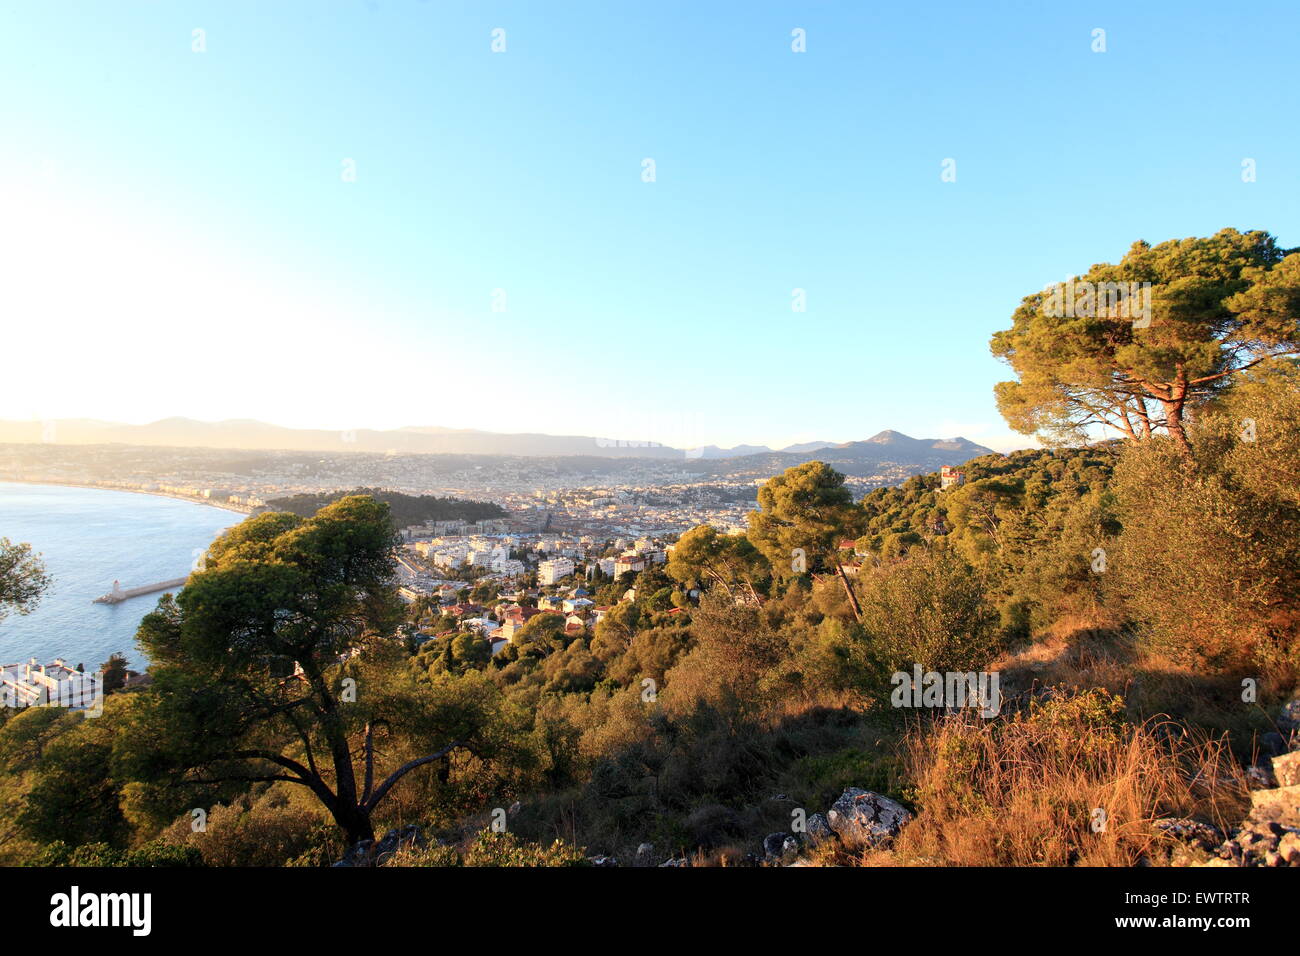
(1288,849)
(861,817)
(818,830)
(780,848)
(1286,769)
(1270,835)
(1280,805)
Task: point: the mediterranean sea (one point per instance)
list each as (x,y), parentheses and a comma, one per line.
(87,537)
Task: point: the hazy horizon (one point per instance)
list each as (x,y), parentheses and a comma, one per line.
(90,420)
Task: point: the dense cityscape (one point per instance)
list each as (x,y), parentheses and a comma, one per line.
(628,497)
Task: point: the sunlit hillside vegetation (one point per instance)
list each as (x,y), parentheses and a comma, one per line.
(732,691)
(1137,600)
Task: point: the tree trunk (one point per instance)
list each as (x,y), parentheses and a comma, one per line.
(355,823)
(848,590)
(348,812)
(1173,406)
(1174,425)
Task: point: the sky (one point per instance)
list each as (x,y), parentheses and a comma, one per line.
(361,215)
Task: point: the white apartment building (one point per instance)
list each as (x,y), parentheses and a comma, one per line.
(487,558)
(550,572)
(449,557)
(625,563)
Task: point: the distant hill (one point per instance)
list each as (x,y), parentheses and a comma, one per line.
(713,451)
(248,435)
(861,458)
(806,446)
(405,509)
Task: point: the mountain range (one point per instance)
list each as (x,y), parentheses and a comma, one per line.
(245,434)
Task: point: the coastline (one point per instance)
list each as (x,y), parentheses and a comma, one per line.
(223,506)
(85,547)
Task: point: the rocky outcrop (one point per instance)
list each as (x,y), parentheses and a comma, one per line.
(1280,805)
(862,818)
(818,830)
(1270,834)
(858,819)
(1286,769)
(780,848)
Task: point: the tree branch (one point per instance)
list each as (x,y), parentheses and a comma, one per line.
(382,791)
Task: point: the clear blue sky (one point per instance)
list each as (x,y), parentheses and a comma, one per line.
(166,214)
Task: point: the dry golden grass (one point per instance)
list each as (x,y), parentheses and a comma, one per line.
(1025,789)
(1088,652)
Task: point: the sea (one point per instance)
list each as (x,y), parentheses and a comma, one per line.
(87,537)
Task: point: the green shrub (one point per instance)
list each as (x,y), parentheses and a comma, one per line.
(492,849)
(155,853)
